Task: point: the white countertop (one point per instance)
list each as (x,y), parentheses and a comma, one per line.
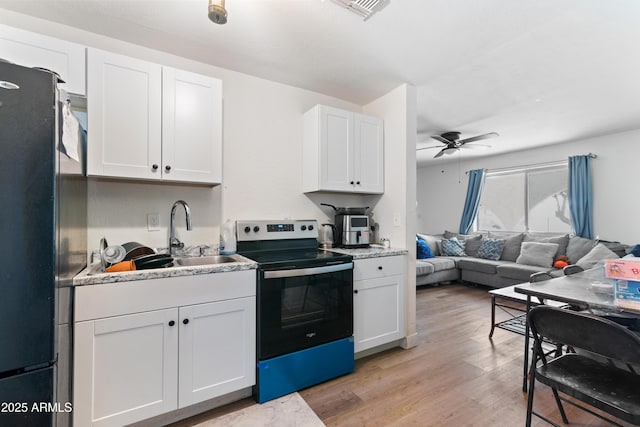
(370,252)
(93,276)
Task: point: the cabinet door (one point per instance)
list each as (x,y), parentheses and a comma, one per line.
(191,127)
(336,152)
(125,368)
(35,50)
(217,349)
(378,311)
(124,98)
(369,157)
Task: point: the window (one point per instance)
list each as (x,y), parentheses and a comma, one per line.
(525,199)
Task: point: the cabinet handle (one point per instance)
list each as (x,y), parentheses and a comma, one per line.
(171,323)
(379,267)
(154,167)
(351,183)
(167,168)
(355,291)
(185,321)
(358,182)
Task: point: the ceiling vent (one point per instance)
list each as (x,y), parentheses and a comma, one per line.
(363,8)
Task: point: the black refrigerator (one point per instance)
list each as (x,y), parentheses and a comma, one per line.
(43,245)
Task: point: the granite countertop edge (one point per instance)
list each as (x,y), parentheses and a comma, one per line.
(370,252)
(90,276)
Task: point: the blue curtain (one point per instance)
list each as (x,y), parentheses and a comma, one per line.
(581,196)
(471,203)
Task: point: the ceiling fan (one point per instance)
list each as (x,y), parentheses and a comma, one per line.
(453,142)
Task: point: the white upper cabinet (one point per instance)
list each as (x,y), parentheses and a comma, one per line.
(35,50)
(343,151)
(147,121)
(191,126)
(124,106)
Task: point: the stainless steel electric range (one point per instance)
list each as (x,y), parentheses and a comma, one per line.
(304,306)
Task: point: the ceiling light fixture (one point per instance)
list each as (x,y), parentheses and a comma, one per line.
(217,12)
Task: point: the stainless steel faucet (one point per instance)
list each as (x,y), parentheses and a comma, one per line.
(173,240)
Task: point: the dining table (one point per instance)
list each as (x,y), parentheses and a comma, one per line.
(589,291)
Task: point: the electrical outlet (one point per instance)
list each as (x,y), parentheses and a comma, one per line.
(396,219)
(153,222)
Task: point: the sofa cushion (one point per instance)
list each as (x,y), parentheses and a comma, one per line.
(578,247)
(472,244)
(478,264)
(537,253)
(512,244)
(519,272)
(423,268)
(491,248)
(452,247)
(617,248)
(562,241)
(442,263)
(595,255)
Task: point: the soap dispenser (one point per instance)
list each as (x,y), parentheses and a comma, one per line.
(227,238)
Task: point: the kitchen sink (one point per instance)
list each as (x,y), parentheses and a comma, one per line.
(203,260)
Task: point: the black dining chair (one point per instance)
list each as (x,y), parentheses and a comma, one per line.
(604,372)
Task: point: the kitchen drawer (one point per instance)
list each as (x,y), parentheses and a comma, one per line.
(373,268)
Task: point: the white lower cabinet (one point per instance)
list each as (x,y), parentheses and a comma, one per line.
(378,301)
(126,368)
(215,356)
(130,367)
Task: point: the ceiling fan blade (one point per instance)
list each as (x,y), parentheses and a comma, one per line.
(440,153)
(425,148)
(441,139)
(478,138)
(476,146)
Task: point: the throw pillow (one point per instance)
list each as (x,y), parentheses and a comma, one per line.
(472,244)
(597,254)
(491,248)
(579,247)
(537,253)
(562,241)
(423,250)
(511,245)
(432,241)
(452,247)
(635,250)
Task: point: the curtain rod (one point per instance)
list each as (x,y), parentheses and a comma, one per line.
(536,165)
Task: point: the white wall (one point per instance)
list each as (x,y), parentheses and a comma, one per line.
(398,108)
(442,189)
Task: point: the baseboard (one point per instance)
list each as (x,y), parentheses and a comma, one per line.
(410,341)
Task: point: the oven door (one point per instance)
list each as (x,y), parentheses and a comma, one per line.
(302,308)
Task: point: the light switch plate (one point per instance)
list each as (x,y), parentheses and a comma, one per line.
(153,222)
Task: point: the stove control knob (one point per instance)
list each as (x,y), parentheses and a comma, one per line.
(304,227)
(247,229)
(256,229)
(310,227)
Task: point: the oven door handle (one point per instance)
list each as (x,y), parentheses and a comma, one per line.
(278,274)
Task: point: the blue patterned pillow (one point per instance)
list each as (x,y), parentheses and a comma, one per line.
(452,247)
(491,248)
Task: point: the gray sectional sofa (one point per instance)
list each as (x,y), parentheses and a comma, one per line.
(522,255)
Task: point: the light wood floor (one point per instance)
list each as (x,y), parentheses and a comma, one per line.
(455,376)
